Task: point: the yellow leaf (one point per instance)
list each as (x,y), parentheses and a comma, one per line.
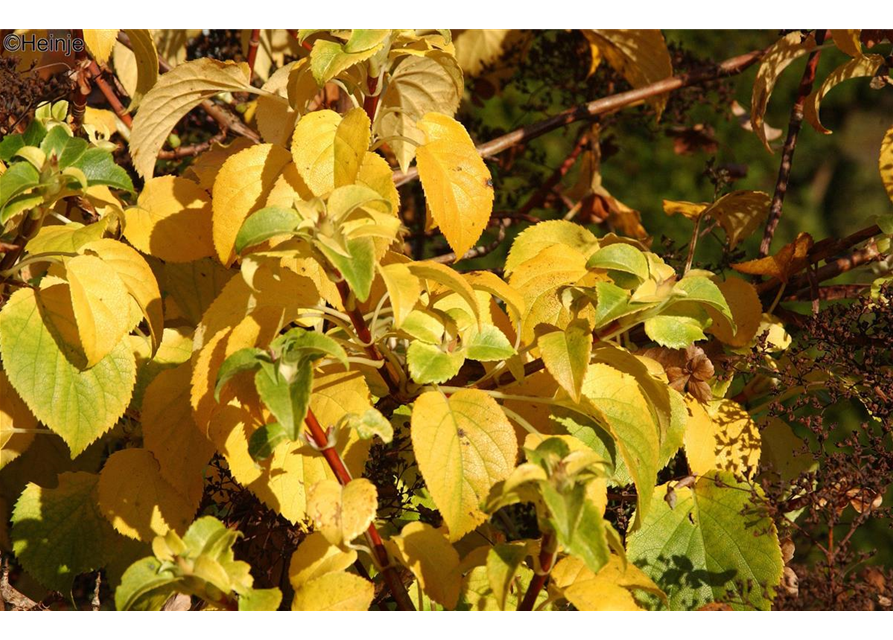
(334,592)
(457,183)
(137,501)
(721,435)
(478,49)
(137,276)
(776,60)
(611,589)
(171,220)
(100,43)
(534,240)
(427,552)
(739,213)
(175,94)
(328,150)
(205,167)
(690,210)
(101,306)
(342,513)
(788,261)
(449,280)
(847,40)
(566,354)
(404,289)
(180,90)
(746,310)
(241,188)
(351,145)
(639,55)
(145,59)
(170,433)
(540,281)
(375,173)
(275,117)
(315,557)
(495,286)
(885,162)
(417,85)
(464,445)
(14,414)
(860,67)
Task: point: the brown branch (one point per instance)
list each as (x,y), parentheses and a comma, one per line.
(224,119)
(392,579)
(548,547)
(790,144)
(110,95)
(10,594)
(479,251)
(252,52)
(730,67)
(539,197)
(81,82)
(192,149)
(824,250)
(831,292)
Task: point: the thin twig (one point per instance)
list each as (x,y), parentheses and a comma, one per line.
(10,594)
(730,67)
(539,196)
(479,251)
(191,149)
(790,144)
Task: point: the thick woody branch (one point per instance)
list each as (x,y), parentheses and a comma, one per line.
(81,79)
(730,67)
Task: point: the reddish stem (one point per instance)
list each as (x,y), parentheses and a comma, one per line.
(110,96)
(370,103)
(252,51)
(546,560)
(82,82)
(395,584)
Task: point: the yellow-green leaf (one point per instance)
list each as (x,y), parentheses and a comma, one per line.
(100,43)
(427,552)
(464,444)
(721,436)
(342,513)
(885,162)
(566,355)
(14,415)
(334,592)
(860,67)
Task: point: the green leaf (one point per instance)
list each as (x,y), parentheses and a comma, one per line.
(145,586)
(265,224)
(308,344)
(620,257)
(566,354)
(358,268)
(578,524)
(18,179)
(701,289)
(100,168)
(488,344)
(704,549)
(328,59)
(32,137)
(503,564)
(79,405)
(678,327)
(370,424)
(617,401)
(260,600)
(287,399)
(247,359)
(428,363)
(265,440)
(58,534)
